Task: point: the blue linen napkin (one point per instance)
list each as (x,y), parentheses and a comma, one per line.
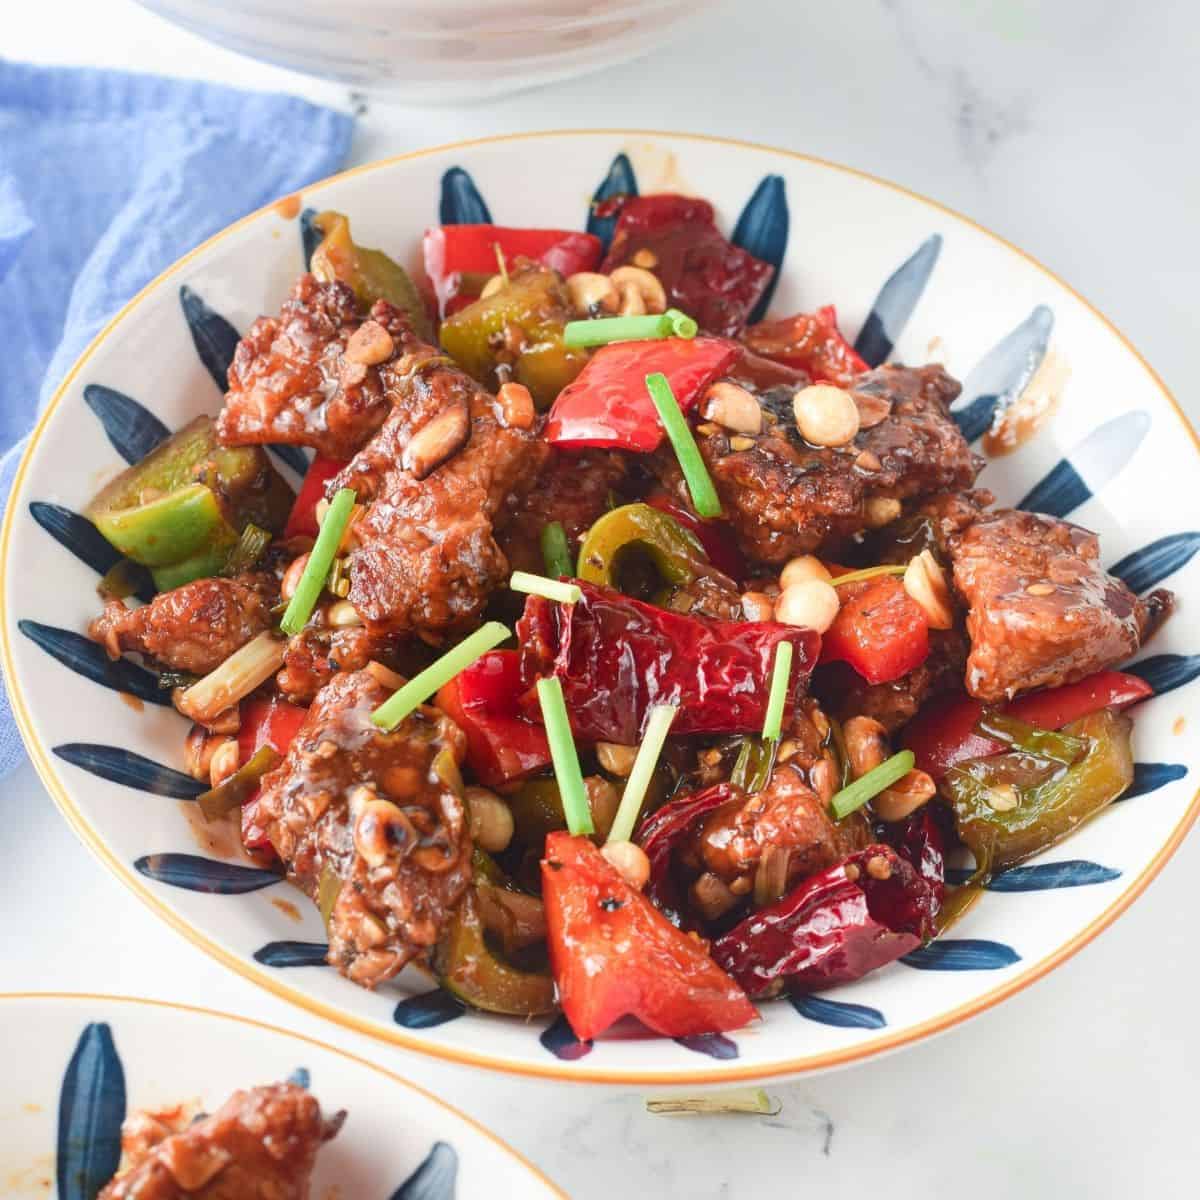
(106,178)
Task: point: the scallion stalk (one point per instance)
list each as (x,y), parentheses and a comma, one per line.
(699,482)
(539,585)
(320,559)
(658,725)
(236,677)
(600,331)
(555,551)
(423,685)
(781,672)
(564,756)
(856,794)
(682,326)
(869,573)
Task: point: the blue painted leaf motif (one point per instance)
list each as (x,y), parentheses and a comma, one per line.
(310,235)
(301,1077)
(715,1045)
(78,535)
(896,301)
(461,203)
(1003,373)
(838,1012)
(1074,872)
(88,659)
(1150,776)
(1153,563)
(91,1107)
(435,1179)
(210,875)
(559,1038)
(133,429)
(428,1009)
(1165,672)
(1091,463)
(762,230)
(292,954)
(214,337)
(620,181)
(132,770)
(962,954)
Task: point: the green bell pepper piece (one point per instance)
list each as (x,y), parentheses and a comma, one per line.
(1010,806)
(533,305)
(370,273)
(175,527)
(641,551)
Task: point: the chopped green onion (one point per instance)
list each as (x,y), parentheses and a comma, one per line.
(739,1100)
(855,795)
(539,585)
(781,672)
(700,484)
(320,559)
(564,756)
(555,551)
(658,725)
(600,331)
(869,573)
(754,764)
(422,685)
(682,325)
(248,551)
(245,669)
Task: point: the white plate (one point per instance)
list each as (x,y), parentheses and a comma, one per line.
(85,1062)
(1111,457)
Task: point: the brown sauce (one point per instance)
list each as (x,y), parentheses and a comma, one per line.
(1030,411)
(132,701)
(288,207)
(288,909)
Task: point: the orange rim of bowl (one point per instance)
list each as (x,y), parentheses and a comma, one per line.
(337,1051)
(784,1068)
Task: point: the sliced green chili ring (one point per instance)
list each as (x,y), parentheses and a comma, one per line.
(555,552)
(622,544)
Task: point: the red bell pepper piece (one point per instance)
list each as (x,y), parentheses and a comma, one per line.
(943,733)
(834,927)
(484,701)
(614,954)
(607,403)
(302,520)
(702,273)
(811,342)
(454,251)
(880,630)
(617,656)
(271,723)
(715,536)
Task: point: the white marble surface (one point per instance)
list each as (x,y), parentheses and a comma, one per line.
(1068,128)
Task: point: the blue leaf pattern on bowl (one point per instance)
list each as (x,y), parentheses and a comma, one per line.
(210,875)
(1165,672)
(214,337)
(133,429)
(715,1045)
(461,203)
(78,535)
(762,230)
(132,770)
(90,660)
(1153,563)
(620,181)
(428,1009)
(292,954)
(962,954)
(838,1012)
(896,301)
(1150,776)
(559,1038)
(1003,373)
(91,1107)
(1073,872)
(301,1077)
(1094,461)
(310,235)
(435,1179)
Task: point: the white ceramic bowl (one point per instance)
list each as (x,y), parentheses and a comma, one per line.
(436,51)
(901,269)
(75,1066)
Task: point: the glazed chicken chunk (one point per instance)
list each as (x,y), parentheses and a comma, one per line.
(371,826)
(260,1144)
(1041,610)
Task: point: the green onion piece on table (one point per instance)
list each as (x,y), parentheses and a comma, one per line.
(555,551)
(564,756)
(539,585)
(423,685)
(699,482)
(869,573)
(320,559)
(854,796)
(658,725)
(781,672)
